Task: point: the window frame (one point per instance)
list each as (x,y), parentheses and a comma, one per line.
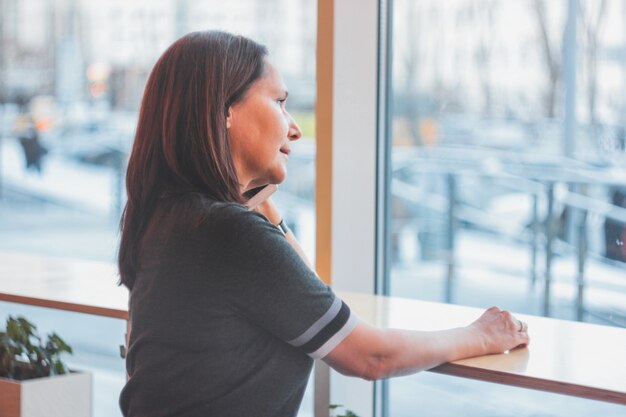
(352,114)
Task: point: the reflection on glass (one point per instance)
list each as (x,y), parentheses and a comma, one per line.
(509,160)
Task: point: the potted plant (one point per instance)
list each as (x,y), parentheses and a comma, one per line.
(34,381)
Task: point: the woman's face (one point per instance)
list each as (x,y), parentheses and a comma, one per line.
(261,130)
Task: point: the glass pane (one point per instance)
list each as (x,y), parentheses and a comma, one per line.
(509,163)
(72,74)
(435,395)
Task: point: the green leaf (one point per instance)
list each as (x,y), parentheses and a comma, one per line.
(58,368)
(16,332)
(28,327)
(58,344)
(24,356)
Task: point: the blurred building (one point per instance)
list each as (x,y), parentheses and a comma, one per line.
(49,47)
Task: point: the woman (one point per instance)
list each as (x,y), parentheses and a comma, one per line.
(226,315)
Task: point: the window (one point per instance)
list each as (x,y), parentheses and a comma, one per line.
(71,79)
(508,181)
(72,76)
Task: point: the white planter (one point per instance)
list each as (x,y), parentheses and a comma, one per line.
(67,395)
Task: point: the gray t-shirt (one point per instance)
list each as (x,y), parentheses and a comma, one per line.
(226,317)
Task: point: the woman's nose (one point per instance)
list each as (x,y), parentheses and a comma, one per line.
(294,130)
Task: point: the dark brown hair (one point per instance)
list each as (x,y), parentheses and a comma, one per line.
(181,144)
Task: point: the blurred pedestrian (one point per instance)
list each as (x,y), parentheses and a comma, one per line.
(33,150)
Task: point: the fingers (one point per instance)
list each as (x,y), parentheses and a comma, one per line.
(521,332)
(504,331)
(522,339)
(494,308)
(519,327)
(517,324)
(523,327)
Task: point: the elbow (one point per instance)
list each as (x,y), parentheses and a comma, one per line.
(369,368)
(371,376)
(375,369)
(366,353)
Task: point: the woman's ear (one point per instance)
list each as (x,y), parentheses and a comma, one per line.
(229,118)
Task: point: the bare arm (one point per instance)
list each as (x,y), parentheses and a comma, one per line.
(372,353)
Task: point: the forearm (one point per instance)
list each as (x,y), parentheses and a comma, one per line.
(406,352)
(372,353)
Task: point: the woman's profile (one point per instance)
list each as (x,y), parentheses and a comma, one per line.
(227,314)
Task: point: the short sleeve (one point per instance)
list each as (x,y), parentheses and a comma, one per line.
(268,284)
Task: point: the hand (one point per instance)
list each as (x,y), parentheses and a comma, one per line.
(501,331)
(269,210)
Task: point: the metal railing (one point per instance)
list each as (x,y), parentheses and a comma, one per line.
(539,181)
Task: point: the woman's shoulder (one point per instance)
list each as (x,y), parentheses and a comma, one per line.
(198,211)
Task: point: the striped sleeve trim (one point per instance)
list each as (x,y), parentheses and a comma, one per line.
(327,332)
(337,338)
(318,325)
